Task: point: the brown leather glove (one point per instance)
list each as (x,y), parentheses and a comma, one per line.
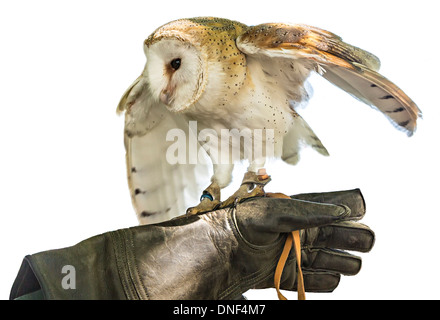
(216,255)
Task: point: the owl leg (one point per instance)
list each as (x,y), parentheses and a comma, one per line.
(210,198)
(252,184)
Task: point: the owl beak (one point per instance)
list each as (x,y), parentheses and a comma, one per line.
(165,97)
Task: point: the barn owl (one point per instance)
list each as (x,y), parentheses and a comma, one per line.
(213,75)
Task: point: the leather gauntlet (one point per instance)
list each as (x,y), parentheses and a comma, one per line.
(216,255)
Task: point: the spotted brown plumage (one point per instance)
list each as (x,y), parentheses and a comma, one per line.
(338,62)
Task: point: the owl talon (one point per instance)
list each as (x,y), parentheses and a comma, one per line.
(251,186)
(205,205)
(209,200)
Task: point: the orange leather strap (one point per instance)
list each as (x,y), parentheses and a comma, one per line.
(293,238)
(300,278)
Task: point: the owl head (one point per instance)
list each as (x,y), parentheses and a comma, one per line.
(189,61)
(176,67)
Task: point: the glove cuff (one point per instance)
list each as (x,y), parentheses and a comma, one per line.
(100,267)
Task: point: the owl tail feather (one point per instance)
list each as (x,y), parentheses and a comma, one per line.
(300,134)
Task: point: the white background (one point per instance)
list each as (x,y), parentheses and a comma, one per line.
(65,64)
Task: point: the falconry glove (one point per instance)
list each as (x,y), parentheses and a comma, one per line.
(216,255)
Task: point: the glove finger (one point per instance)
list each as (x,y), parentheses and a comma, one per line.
(344,235)
(320,281)
(286,215)
(329,260)
(351,198)
(314,281)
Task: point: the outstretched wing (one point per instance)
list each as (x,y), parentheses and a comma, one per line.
(350,68)
(160,187)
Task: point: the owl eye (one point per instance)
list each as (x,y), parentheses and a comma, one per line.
(175,64)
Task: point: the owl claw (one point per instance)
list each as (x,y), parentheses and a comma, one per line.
(209,200)
(251,186)
(205,205)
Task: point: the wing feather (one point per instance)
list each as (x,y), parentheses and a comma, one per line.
(159,188)
(348,67)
